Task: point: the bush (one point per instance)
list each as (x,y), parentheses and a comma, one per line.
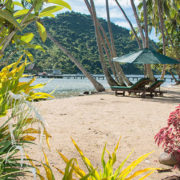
(169,136)
(107,171)
(16,129)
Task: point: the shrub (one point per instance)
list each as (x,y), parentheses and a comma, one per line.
(107,171)
(169,136)
(10,83)
(16,132)
(16,129)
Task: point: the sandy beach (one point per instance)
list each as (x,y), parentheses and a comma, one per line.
(93,120)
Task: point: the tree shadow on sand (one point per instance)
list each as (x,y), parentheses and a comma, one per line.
(169,97)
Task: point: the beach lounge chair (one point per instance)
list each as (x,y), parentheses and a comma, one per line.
(138,87)
(154,89)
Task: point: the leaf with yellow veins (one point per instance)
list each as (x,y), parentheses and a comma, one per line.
(28,138)
(42,31)
(61,3)
(32,131)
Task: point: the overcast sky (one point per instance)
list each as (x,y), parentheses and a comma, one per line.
(115,13)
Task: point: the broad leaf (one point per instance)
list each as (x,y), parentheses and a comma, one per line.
(17,3)
(61,3)
(49,10)
(30,56)
(27,37)
(21,13)
(42,31)
(8,16)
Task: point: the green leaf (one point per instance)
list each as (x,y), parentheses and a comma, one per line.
(17,3)
(49,10)
(27,37)
(30,56)
(42,31)
(35,46)
(8,16)
(21,13)
(61,3)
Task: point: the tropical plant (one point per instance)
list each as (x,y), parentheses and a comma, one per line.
(16,133)
(14,21)
(143,31)
(15,95)
(10,83)
(107,171)
(169,136)
(16,128)
(99,87)
(164,17)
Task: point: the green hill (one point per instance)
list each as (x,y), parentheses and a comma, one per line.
(76,32)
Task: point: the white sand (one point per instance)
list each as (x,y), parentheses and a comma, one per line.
(96,119)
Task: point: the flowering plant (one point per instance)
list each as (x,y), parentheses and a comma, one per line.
(169,137)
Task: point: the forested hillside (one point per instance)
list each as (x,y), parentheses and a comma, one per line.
(76,32)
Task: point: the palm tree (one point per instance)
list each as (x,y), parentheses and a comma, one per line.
(164,17)
(107,74)
(106,44)
(160,13)
(146,43)
(130,24)
(114,54)
(145,40)
(99,87)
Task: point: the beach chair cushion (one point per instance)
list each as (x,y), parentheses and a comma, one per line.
(138,85)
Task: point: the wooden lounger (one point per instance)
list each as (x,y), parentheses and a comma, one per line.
(154,89)
(138,87)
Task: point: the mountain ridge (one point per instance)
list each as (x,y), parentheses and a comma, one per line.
(75,32)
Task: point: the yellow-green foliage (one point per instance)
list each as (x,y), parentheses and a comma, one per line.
(73,171)
(10,84)
(107,172)
(15,132)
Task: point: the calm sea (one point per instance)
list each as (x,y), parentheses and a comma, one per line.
(74,87)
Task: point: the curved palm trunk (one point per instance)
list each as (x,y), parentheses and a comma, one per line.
(146,43)
(132,28)
(108,56)
(99,87)
(110,80)
(160,11)
(117,65)
(141,33)
(106,42)
(147,68)
(138,21)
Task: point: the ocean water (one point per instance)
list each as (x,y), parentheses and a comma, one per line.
(75,87)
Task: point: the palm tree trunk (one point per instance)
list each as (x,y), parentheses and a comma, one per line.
(138,21)
(112,64)
(117,65)
(147,68)
(110,80)
(99,87)
(132,28)
(160,11)
(109,57)
(146,43)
